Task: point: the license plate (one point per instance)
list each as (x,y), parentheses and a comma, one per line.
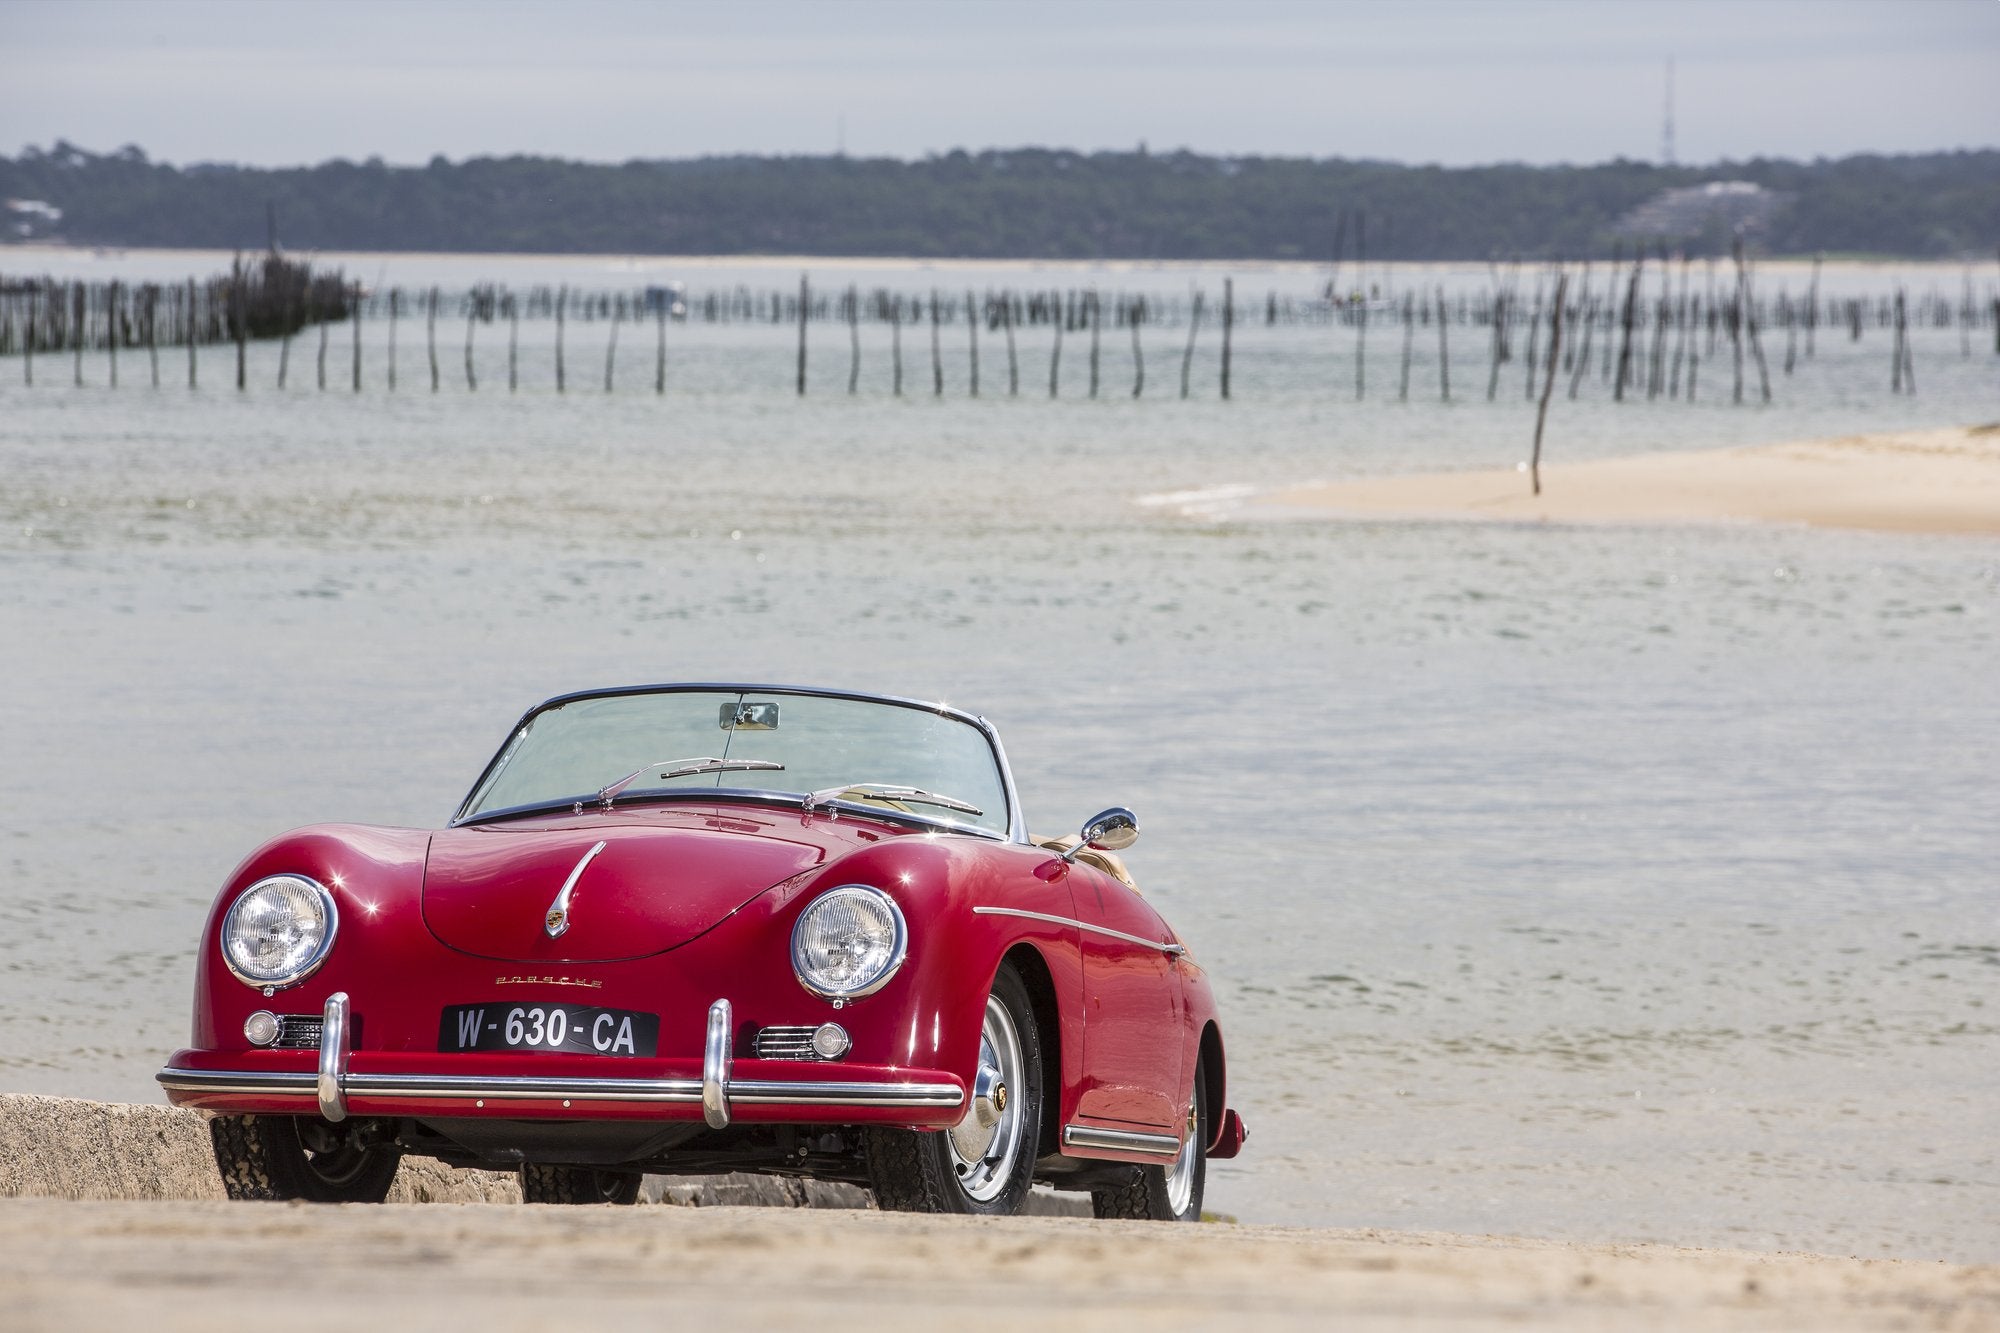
(548,1027)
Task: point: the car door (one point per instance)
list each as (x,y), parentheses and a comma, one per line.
(1132,1006)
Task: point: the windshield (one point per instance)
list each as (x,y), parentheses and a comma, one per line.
(574,750)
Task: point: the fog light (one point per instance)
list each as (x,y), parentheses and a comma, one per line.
(261,1028)
(831,1041)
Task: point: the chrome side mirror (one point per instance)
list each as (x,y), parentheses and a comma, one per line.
(1112,831)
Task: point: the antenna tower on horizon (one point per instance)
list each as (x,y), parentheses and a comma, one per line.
(1667,128)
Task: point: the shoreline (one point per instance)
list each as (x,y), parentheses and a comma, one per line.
(1931,481)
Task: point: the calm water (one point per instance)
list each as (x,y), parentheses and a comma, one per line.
(1613,883)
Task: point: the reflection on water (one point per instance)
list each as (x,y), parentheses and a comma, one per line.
(1622,883)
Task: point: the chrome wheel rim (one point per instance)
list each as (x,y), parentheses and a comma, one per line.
(1180,1176)
(983,1154)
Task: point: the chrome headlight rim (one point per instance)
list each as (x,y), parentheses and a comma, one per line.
(287,980)
(898,952)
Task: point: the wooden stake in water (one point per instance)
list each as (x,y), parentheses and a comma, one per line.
(111,327)
(1138,356)
(1055,349)
(972,338)
(1444,352)
(1228,323)
(937,353)
(1187,354)
(431,336)
(1548,384)
(1013,364)
(238,317)
(805,304)
(1096,312)
(152,330)
(192,340)
(514,344)
(28,341)
(471,322)
(395,300)
(562,301)
(896,342)
(853,340)
(354,311)
(1409,337)
(611,343)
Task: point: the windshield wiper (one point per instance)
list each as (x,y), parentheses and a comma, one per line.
(683,768)
(887,791)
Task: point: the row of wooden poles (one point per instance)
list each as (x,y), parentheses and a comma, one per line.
(1654,326)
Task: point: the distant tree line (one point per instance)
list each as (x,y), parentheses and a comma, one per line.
(1025,203)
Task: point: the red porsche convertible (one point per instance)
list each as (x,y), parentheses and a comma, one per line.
(707,928)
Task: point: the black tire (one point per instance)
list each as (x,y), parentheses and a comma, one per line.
(292,1157)
(577,1184)
(914,1171)
(1150,1196)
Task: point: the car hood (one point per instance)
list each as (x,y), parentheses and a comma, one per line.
(491,889)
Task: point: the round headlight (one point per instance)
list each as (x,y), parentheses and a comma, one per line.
(849,942)
(278,931)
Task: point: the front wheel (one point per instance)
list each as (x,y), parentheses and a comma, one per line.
(1166,1193)
(986,1162)
(297,1157)
(577,1184)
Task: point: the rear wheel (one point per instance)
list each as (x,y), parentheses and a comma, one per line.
(1166,1193)
(577,1184)
(294,1157)
(986,1162)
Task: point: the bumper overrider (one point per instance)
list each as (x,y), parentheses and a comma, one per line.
(378,1083)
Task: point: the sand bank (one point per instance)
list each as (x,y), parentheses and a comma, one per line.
(170,1266)
(1910,481)
(140,1238)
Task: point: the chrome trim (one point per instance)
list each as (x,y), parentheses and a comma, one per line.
(784,1042)
(899,951)
(775,1092)
(311,964)
(1110,830)
(715,1067)
(1170,950)
(333,1058)
(862,792)
(672,1091)
(1121,1140)
(555,922)
(1017,824)
(277,1028)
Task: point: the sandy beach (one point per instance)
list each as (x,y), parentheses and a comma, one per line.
(1943,481)
(170,1266)
(137,1232)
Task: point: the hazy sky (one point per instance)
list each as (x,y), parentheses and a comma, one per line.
(1452,82)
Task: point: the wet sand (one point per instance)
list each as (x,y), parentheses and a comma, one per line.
(1943,481)
(171,1266)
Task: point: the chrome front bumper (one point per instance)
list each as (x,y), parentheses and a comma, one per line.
(716,1092)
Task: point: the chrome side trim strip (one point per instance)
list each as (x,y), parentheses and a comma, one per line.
(1122,1140)
(715,1067)
(673,1091)
(1170,950)
(332,1058)
(772,1092)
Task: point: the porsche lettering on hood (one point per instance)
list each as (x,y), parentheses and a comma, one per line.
(491,890)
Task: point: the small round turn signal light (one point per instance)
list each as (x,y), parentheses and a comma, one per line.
(261,1028)
(830,1041)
